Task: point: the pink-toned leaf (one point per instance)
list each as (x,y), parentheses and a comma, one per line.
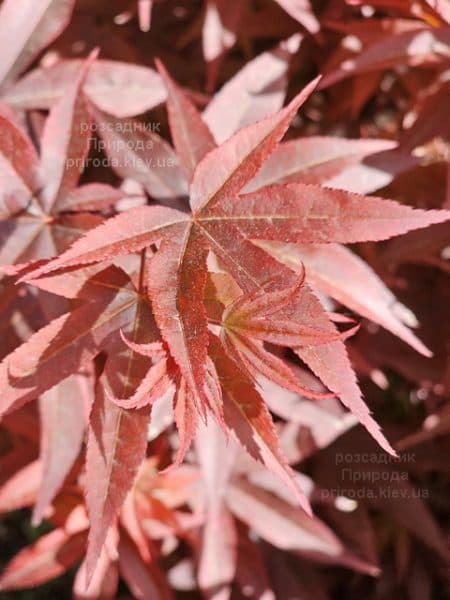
(104,581)
(301,11)
(136,152)
(260,315)
(92,196)
(63,411)
(38,236)
(219,36)
(326,420)
(19,153)
(313,214)
(217,564)
(226,170)
(255,92)
(65,141)
(66,344)
(176,283)
(118,88)
(51,556)
(219,33)
(145,14)
(283,525)
(411,47)
(21,489)
(338,272)
(27,31)
(117,441)
(145,580)
(126,233)
(216,455)
(314,160)
(186,420)
(374,172)
(117,438)
(247,416)
(329,362)
(256,361)
(191,136)
(217,560)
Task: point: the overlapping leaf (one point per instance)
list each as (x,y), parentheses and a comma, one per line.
(217,321)
(225,222)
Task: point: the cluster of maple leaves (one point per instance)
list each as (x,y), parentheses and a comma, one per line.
(161,302)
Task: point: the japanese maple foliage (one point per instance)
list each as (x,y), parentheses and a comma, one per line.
(189,298)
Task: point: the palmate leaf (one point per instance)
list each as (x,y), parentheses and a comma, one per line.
(253,319)
(179,289)
(38,192)
(225,321)
(225,223)
(260,315)
(322,359)
(210,378)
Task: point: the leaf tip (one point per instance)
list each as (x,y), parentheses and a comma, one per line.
(160,66)
(93,55)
